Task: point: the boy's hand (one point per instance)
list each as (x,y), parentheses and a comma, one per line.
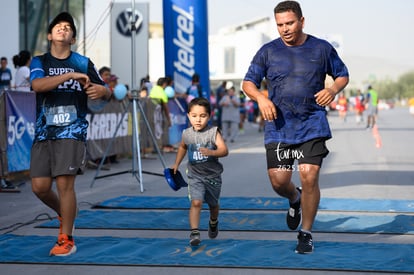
(95,91)
(83,79)
(175,168)
(205,151)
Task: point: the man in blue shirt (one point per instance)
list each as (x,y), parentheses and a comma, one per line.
(296,128)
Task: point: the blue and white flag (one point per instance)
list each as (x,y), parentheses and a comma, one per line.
(186,43)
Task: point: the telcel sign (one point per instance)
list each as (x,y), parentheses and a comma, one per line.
(186,42)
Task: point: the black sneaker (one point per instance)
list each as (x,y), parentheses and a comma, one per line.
(305,243)
(7,186)
(213,230)
(195,238)
(294,214)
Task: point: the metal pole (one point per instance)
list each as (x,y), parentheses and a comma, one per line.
(136,163)
(136,108)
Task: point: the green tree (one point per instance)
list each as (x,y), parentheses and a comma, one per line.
(402,88)
(407,84)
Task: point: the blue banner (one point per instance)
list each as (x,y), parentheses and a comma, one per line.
(186,43)
(178,115)
(20,123)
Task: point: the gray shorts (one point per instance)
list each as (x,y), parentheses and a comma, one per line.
(52,158)
(372,110)
(206,190)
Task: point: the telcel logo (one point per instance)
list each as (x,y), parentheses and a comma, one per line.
(124,22)
(184,40)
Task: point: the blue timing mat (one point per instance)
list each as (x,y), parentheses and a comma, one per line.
(258,203)
(240,221)
(339,256)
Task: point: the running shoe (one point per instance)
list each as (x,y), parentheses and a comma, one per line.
(294,214)
(305,243)
(213,229)
(195,238)
(63,247)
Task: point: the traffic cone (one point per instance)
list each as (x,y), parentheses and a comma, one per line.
(375,133)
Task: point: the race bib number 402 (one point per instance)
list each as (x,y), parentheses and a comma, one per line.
(60,115)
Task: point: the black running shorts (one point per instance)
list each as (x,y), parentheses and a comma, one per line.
(282,155)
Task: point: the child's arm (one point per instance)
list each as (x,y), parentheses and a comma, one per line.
(45,84)
(221,150)
(182,150)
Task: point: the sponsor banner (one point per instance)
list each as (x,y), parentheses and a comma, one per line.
(186,43)
(102,127)
(17,126)
(20,124)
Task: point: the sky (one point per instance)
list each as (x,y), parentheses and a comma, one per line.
(381,29)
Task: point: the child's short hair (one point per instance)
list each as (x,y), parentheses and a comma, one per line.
(201,101)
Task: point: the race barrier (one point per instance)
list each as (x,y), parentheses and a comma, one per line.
(17,124)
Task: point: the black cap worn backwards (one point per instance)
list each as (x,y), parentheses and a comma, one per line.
(63,17)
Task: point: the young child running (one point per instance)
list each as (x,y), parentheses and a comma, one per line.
(204,145)
(62,80)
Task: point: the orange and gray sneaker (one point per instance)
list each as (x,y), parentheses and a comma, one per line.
(64,246)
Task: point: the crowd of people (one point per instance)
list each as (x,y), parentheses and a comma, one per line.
(360,103)
(21,77)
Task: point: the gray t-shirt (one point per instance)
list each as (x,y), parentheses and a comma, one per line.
(198,164)
(230,112)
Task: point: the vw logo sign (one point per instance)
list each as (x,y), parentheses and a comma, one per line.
(124,22)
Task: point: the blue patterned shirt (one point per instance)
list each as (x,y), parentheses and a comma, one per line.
(61,112)
(295,74)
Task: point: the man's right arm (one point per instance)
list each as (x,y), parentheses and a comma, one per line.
(266,106)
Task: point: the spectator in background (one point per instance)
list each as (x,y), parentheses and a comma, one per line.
(343,106)
(214,109)
(143,92)
(220,92)
(372,107)
(22,76)
(195,89)
(359,106)
(105,73)
(169,89)
(230,116)
(5,75)
(146,82)
(162,118)
(411,105)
